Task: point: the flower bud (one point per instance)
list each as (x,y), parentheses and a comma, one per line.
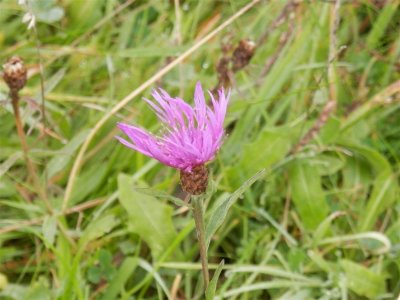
(15,73)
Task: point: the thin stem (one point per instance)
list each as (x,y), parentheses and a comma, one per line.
(199,221)
(25,148)
(43,107)
(21,134)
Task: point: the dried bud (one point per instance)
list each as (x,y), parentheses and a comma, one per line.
(223,74)
(195,182)
(15,73)
(242,54)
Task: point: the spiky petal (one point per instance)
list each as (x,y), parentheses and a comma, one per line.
(194,133)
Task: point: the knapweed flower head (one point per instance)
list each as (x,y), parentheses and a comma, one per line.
(192,135)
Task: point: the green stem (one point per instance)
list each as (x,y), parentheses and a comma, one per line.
(199,221)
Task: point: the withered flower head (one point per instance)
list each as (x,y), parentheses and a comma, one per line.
(243,54)
(15,73)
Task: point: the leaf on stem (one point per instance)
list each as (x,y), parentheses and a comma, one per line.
(219,213)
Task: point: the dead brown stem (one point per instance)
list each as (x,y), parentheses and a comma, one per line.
(232,61)
(21,134)
(283,16)
(25,148)
(282,43)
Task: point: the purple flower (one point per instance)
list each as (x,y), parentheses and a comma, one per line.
(193,135)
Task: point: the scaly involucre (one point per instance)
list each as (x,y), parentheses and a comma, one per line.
(193,134)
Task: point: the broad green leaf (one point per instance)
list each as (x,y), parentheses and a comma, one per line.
(307,193)
(326,164)
(330,131)
(117,283)
(210,292)
(148,217)
(377,160)
(98,228)
(382,197)
(362,280)
(219,213)
(271,146)
(356,172)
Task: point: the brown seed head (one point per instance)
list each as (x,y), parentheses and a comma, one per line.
(196,181)
(223,73)
(242,54)
(15,73)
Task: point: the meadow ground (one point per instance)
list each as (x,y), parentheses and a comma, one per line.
(303,200)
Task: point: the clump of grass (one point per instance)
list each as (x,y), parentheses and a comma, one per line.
(320,218)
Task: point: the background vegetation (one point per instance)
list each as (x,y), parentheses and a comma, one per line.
(320,222)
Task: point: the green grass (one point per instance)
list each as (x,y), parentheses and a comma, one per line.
(319,223)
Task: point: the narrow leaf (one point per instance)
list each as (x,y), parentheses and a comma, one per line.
(219,213)
(63,156)
(363,281)
(117,283)
(381,24)
(213,283)
(383,195)
(148,217)
(5,166)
